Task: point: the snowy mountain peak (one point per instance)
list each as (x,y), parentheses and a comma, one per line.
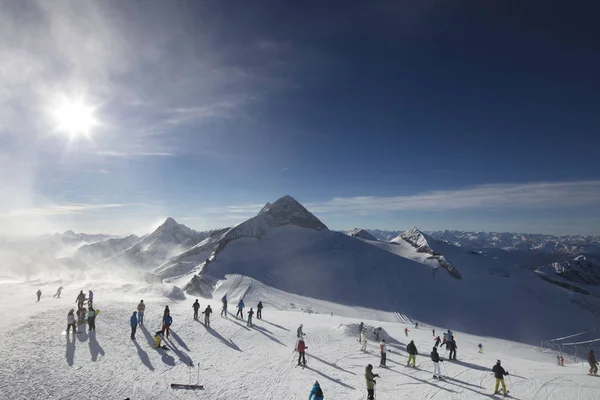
(416,238)
(287,211)
(362,234)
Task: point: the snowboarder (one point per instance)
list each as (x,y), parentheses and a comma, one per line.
(39,294)
(259,308)
(240,308)
(370,378)
(411,349)
(58,291)
(224,308)
(250,314)
(71,320)
(80,299)
(383,350)
(593,363)
(196,307)
(141,307)
(316,393)
(167,321)
(453,348)
(90,298)
(363,340)
(361,327)
(435,358)
(207,311)
(562,361)
(91,319)
(480,348)
(437,341)
(406,331)
(157,339)
(133,321)
(499,374)
(166,312)
(301,352)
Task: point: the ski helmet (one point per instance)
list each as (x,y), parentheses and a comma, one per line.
(369,367)
(498,362)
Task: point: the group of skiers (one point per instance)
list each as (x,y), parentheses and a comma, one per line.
(240,310)
(207,311)
(83,314)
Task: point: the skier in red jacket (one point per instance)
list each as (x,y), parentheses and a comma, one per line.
(301,350)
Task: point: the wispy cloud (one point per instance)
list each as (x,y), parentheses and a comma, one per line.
(283,169)
(122,154)
(526,195)
(61,209)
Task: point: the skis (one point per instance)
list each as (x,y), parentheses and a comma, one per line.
(184,386)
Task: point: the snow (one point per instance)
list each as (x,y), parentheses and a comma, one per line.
(233,362)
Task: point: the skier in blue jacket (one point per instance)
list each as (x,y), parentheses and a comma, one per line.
(240,308)
(316,393)
(167,321)
(133,321)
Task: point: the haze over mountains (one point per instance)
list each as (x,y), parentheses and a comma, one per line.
(470,278)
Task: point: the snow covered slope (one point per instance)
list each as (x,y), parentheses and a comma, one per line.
(236,362)
(100,251)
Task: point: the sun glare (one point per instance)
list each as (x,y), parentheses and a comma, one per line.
(75,118)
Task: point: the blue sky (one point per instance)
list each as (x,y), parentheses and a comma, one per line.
(372,114)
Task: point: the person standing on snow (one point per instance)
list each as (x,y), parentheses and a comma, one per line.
(433,330)
(133,321)
(301,352)
(383,350)
(593,363)
(480,348)
(316,393)
(207,313)
(435,358)
(39,294)
(166,312)
(157,339)
(90,298)
(80,299)
(361,327)
(259,308)
(224,308)
(71,321)
(166,328)
(453,348)
(196,307)
(240,308)
(250,314)
(370,378)
(363,340)
(91,319)
(299,332)
(417,325)
(437,341)
(499,374)
(411,349)
(562,361)
(141,307)
(406,331)
(58,291)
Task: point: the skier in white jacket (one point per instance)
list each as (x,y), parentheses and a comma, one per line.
(363,340)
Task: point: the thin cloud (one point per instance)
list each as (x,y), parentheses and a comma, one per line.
(527,195)
(61,209)
(283,169)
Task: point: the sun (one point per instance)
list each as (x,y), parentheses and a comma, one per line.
(75,118)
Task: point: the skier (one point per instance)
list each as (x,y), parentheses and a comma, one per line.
(435,358)
(377,331)
(196,307)
(81,315)
(444,341)
(316,393)
(558,359)
(593,363)
(141,307)
(363,340)
(301,350)
(433,330)
(250,314)
(224,308)
(71,321)
(411,349)
(39,294)
(406,331)
(437,341)
(133,321)
(207,313)
(361,327)
(370,378)
(167,321)
(383,350)
(562,361)
(299,332)
(91,318)
(453,348)
(80,299)
(499,373)
(480,348)
(90,298)
(58,291)
(417,325)
(240,308)
(259,308)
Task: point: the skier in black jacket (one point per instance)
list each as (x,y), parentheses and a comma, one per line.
(196,307)
(435,358)
(499,373)
(411,349)
(259,308)
(593,363)
(207,313)
(453,348)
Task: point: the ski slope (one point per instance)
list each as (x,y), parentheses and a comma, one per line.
(38,361)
